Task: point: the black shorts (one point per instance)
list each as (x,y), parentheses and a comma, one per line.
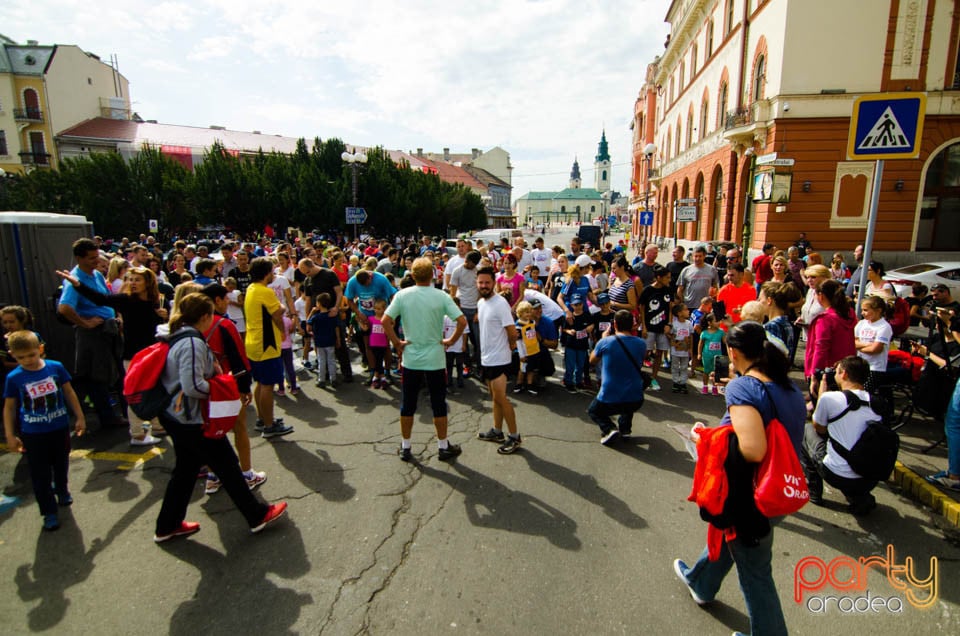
(492,373)
(410,383)
(534,362)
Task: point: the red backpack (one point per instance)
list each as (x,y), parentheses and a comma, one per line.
(900,320)
(142,388)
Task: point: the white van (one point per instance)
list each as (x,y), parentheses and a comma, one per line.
(490,235)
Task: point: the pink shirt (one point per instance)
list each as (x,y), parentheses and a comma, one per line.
(514,284)
(378,336)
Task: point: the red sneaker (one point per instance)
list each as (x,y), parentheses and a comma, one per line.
(186,529)
(274,512)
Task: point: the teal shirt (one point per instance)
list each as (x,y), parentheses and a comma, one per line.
(422,309)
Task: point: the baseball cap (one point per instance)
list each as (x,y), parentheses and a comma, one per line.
(534,303)
(940,287)
(576,299)
(583,261)
(603,298)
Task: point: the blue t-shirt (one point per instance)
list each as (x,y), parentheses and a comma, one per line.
(379,287)
(622,383)
(547,328)
(570,288)
(789,409)
(87,308)
(39,396)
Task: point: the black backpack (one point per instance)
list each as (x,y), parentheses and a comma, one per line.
(873,455)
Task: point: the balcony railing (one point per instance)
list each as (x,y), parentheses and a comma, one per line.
(35,158)
(738,118)
(28,114)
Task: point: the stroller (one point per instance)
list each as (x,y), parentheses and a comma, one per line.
(930,395)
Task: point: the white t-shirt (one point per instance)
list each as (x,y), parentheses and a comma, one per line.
(278,285)
(494,317)
(300,305)
(455,261)
(551,310)
(879,331)
(449,328)
(541,258)
(526,260)
(235,313)
(680,330)
(847,430)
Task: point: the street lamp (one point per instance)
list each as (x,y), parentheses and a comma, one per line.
(648,151)
(354,160)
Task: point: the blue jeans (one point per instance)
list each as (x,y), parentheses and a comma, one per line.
(574,362)
(951,426)
(756,582)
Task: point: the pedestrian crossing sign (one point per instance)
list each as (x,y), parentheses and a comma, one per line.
(886,126)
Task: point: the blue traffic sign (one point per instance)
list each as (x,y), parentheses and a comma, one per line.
(886,126)
(646,218)
(356,215)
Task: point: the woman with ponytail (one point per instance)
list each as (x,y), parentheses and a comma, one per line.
(831,332)
(762,391)
(779,298)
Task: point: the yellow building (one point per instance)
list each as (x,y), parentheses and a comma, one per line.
(45,89)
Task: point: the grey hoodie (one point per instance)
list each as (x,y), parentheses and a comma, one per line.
(189,363)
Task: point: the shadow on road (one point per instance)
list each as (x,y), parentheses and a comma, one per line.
(490,504)
(315,470)
(587,487)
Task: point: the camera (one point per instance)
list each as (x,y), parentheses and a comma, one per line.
(830,374)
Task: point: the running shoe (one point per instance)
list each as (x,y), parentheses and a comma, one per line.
(186,529)
(255,479)
(654,385)
(274,512)
(510,446)
(278,429)
(51,522)
(493,435)
(448,453)
(681,569)
(406,454)
(213,484)
(610,437)
(146,440)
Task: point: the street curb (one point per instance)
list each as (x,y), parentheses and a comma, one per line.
(926,493)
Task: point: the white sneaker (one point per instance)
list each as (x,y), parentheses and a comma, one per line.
(148,440)
(255,479)
(679,567)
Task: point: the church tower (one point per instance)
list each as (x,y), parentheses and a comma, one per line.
(601,166)
(575,175)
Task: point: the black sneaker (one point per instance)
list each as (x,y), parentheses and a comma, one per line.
(676,388)
(406,454)
(259,425)
(448,453)
(517,389)
(570,388)
(532,390)
(493,435)
(610,437)
(511,445)
(278,429)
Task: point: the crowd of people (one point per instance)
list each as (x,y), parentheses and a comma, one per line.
(425,315)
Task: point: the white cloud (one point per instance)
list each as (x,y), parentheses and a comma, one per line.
(539,78)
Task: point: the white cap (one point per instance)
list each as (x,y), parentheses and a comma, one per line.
(583,261)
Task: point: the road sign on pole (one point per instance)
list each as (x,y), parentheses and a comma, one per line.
(356,215)
(646,218)
(886,126)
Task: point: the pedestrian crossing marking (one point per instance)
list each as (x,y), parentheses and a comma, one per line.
(886,133)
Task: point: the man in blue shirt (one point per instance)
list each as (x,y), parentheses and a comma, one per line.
(98,342)
(622,390)
(362,291)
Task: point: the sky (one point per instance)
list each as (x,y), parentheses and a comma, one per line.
(540,79)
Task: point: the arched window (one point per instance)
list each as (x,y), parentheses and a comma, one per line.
(563,208)
(759,78)
(693,61)
(667,147)
(676,150)
(31,103)
(603,175)
(593,208)
(689,129)
(704,112)
(728,27)
(578,209)
(683,69)
(670,100)
(709,40)
(722,105)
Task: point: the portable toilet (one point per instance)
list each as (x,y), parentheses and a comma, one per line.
(32,246)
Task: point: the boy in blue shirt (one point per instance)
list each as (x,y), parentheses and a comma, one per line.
(37,394)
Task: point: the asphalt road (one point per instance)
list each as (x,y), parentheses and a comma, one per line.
(564,537)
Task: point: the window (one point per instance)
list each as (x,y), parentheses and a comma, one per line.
(722,106)
(667,147)
(3,142)
(704,110)
(603,175)
(683,74)
(676,152)
(709,40)
(689,129)
(759,78)
(578,209)
(728,27)
(693,62)
(593,208)
(670,100)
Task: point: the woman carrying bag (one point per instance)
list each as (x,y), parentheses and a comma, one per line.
(190,364)
(761,392)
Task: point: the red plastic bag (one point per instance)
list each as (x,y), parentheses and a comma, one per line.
(780,487)
(221,409)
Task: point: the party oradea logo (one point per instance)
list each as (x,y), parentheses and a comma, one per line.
(846,585)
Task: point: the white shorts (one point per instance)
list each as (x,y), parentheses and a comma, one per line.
(657,342)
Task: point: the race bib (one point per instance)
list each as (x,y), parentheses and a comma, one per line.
(868,334)
(530,334)
(581,335)
(377,328)
(714,346)
(366,304)
(603,326)
(682,333)
(41,388)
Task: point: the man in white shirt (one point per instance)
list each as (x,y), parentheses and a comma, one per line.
(498,337)
(463,285)
(463,246)
(541,258)
(821,462)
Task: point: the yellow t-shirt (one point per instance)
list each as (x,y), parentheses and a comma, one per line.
(528,331)
(263,338)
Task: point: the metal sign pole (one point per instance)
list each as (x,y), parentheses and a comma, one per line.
(871,230)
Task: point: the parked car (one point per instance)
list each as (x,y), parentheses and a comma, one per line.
(930,274)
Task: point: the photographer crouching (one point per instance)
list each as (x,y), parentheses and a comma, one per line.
(846,419)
